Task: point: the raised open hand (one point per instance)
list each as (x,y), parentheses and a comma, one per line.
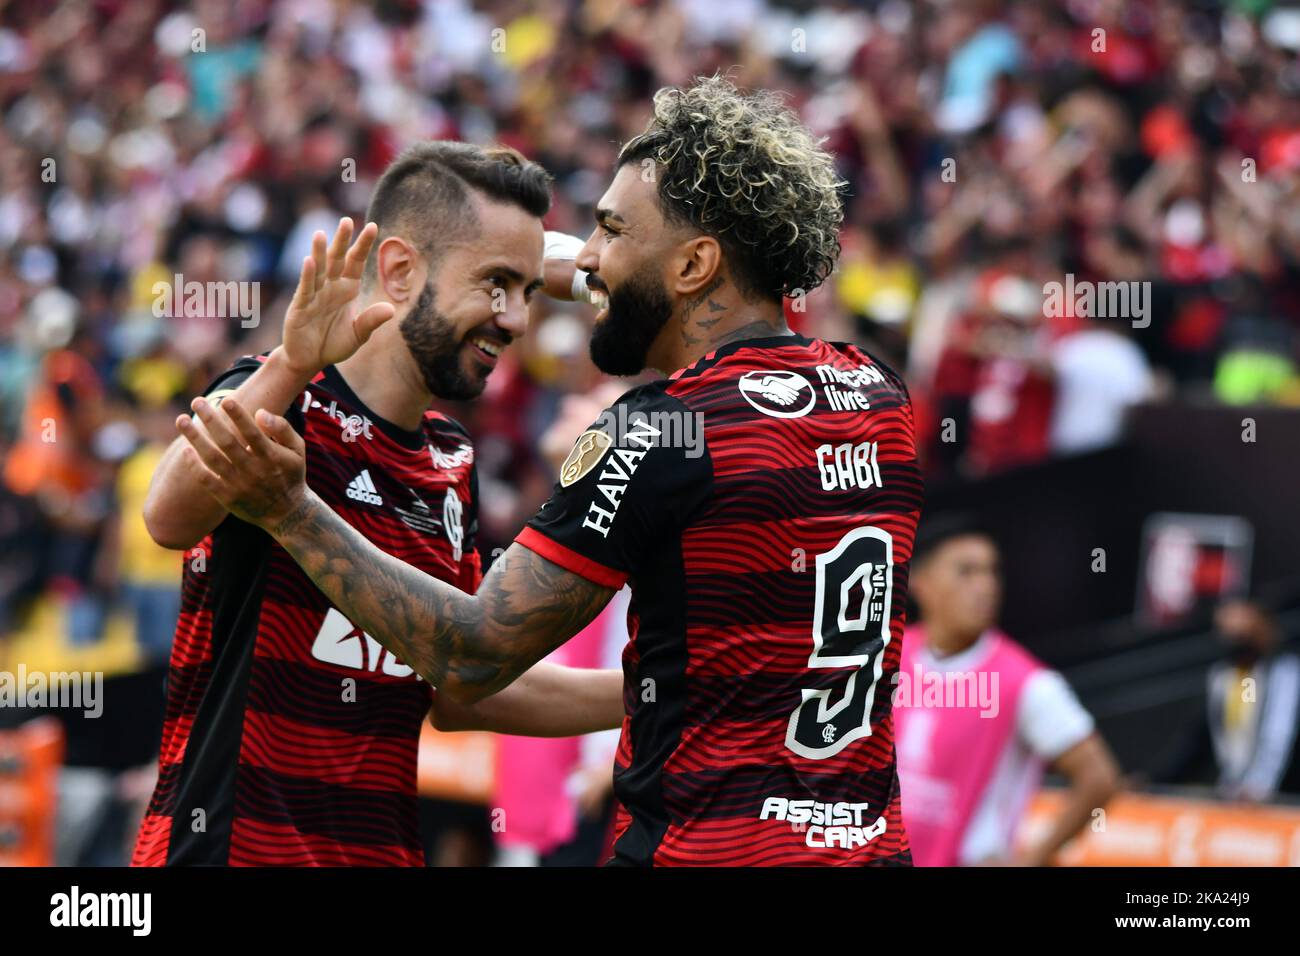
(320,328)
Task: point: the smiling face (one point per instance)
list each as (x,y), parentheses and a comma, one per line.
(476,301)
(626,259)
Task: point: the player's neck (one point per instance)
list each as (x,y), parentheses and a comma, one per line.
(394,393)
(719,315)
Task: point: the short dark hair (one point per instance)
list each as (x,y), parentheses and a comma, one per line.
(741,168)
(424,194)
(937,530)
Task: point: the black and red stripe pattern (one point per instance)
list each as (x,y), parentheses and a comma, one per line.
(290,737)
(768,610)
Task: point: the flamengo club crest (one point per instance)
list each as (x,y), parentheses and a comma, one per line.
(453,523)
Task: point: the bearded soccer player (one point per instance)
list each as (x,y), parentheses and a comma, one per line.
(290,735)
(767,552)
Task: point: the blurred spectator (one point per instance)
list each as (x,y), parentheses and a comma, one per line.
(1099,374)
(54,461)
(1248,734)
(993,380)
(147,573)
(969,764)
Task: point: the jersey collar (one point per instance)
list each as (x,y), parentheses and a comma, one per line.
(414,440)
(767,342)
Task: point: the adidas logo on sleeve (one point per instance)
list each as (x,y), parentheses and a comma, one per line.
(361,488)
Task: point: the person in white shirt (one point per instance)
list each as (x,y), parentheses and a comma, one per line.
(968,766)
(1100,373)
(1249,730)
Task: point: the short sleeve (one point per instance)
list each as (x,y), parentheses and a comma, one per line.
(630,482)
(228,381)
(1051,720)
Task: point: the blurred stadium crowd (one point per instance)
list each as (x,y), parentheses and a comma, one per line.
(989,149)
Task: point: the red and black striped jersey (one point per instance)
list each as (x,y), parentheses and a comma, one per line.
(762,504)
(290,735)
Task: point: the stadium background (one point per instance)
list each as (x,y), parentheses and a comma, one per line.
(988,150)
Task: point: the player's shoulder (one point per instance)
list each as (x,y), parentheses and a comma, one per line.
(788,376)
(646,430)
(735,359)
(245,366)
(647,397)
(441,423)
(640,417)
(234,375)
(645,416)
(450,442)
(850,365)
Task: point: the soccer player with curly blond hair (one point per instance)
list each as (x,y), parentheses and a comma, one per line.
(761,500)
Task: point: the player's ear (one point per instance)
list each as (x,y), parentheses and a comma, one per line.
(698,264)
(399,268)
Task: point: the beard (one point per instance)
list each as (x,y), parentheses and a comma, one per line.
(638,311)
(431,339)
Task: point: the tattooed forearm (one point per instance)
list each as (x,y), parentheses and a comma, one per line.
(294,518)
(468,646)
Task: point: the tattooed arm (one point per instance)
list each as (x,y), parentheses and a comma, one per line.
(467,646)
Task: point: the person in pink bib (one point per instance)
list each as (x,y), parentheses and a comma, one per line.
(978,718)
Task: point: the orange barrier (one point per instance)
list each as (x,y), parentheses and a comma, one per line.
(457,766)
(30,757)
(1138,829)
(1134,830)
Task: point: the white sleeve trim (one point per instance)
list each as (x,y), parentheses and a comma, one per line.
(1050,719)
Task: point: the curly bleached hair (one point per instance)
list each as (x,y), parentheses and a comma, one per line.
(743,169)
